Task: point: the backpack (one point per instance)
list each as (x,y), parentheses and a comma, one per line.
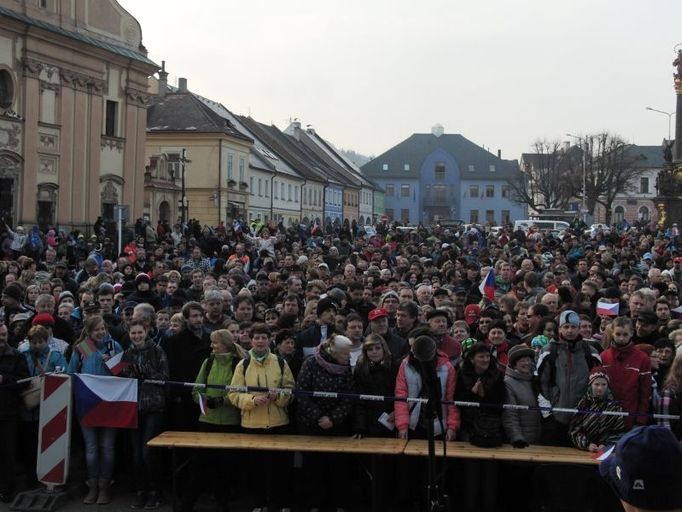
(554,352)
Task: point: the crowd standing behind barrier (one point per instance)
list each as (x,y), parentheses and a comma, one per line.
(571,321)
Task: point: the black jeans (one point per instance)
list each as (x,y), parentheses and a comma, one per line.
(270,473)
(8,453)
(28,441)
(145,460)
(209,468)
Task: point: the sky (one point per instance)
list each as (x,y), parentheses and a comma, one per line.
(366,74)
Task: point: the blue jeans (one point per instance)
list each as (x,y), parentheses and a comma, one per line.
(145,461)
(99,452)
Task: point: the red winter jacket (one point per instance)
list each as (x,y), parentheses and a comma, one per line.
(629,371)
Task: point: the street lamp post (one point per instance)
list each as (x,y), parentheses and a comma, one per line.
(584,190)
(669,114)
(183,198)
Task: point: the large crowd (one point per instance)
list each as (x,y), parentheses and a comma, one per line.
(578,320)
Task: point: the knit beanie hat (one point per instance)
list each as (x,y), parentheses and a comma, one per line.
(598,373)
(14,291)
(539,341)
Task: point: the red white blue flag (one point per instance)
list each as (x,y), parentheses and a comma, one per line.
(487,286)
(607,309)
(116,364)
(104,401)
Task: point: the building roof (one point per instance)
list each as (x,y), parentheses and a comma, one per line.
(181,112)
(128,53)
(345,176)
(414,150)
(339,159)
(291,150)
(651,156)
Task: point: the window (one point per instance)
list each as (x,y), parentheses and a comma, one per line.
(473,216)
(251,185)
(473,190)
(296,193)
(267,188)
(260,187)
(390,190)
(290,196)
(643,214)
(282,190)
(439,194)
(490,217)
(405,215)
(385,167)
(6,89)
(506,217)
(229,165)
(310,196)
(472,168)
(111,118)
(303,196)
(506,192)
(404,191)
(389,213)
(406,167)
(241,170)
(490,191)
(439,172)
(274,189)
(618,214)
(173,165)
(492,168)
(643,185)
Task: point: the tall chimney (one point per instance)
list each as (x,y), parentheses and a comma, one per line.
(182,84)
(499,154)
(163,79)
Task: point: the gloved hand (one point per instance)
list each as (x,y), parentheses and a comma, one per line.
(519,443)
(213,402)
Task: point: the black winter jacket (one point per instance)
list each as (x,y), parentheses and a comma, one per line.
(12,368)
(377,379)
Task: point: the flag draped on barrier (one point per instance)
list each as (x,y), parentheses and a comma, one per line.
(104,401)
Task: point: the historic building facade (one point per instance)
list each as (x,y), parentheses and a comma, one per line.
(430,177)
(73,81)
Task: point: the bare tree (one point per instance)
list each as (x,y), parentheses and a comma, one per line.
(543,183)
(612,167)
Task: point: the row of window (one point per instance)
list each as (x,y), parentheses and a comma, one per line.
(439,191)
(439,169)
(505,217)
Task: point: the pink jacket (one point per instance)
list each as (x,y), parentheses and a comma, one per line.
(408,384)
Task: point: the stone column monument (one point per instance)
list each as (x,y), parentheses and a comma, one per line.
(669,200)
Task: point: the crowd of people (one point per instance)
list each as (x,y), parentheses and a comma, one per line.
(576,321)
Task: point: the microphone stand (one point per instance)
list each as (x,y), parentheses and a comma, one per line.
(437,501)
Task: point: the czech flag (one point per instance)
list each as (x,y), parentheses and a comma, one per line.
(607,309)
(116,364)
(487,286)
(104,401)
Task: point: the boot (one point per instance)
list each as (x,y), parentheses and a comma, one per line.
(104,496)
(91,497)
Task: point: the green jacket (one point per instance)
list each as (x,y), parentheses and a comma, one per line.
(222,370)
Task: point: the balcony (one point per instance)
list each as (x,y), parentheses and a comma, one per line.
(432,200)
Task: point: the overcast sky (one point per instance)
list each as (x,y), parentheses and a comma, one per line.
(366,74)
